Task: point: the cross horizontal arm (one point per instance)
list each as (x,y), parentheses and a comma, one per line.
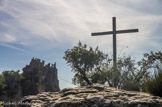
(102,33)
(127,31)
(117,32)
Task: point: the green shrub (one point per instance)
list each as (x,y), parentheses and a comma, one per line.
(154,85)
(38,85)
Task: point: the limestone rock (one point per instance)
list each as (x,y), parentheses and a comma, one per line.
(96,95)
(39,78)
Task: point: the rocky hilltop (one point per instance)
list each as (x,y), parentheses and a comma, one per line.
(96,95)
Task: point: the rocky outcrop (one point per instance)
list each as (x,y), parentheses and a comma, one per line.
(96,95)
(39,78)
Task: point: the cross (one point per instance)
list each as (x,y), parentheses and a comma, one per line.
(114,32)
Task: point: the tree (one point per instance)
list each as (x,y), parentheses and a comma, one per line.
(7,74)
(13,83)
(152,63)
(93,66)
(124,77)
(84,62)
(133,76)
(2,85)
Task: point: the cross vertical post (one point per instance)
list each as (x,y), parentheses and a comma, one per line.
(114,40)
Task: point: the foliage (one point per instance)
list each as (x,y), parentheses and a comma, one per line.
(127,73)
(154,85)
(153,63)
(144,75)
(2,85)
(93,66)
(7,74)
(83,62)
(4,79)
(38,85)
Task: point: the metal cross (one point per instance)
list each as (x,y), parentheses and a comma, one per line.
(114,32)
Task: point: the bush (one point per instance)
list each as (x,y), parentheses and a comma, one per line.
(154,85)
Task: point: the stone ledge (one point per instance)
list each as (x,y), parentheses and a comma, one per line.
(96,95)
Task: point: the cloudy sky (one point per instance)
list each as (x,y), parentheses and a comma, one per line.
(45,29)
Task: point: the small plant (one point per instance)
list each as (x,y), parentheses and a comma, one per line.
(38,85)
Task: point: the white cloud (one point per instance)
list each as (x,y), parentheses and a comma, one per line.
(13,47)
(61,22)
(8,38)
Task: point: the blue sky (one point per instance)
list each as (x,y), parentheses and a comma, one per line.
(45,29)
